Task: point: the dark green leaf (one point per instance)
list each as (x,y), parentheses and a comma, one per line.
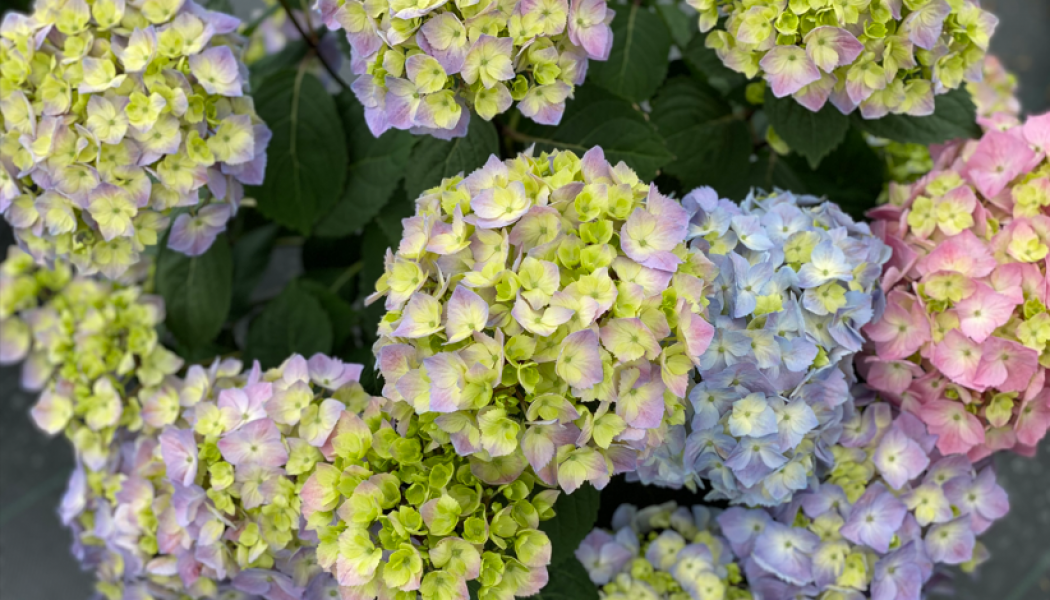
(711,145)
(197,291)
(294,322)
(681,26)
(771,171)
(575,515)
(342,316)
(251,254)
(637,64)
(390,221)
(811,134)
(597,118)
(851,176)
(377,166)
(706,63)
(433,159)
(568,581)
(306,163)
(288,57)
(954,117)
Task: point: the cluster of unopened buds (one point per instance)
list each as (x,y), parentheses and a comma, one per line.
(963,341)
(796,281)
(548,312)
(891,514)
(662,552)
(397,513)
(426,66)
(114,115)
(883,56)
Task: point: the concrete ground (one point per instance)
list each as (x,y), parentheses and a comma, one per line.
(34,559)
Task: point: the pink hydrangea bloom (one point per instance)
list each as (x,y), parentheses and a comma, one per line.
(963,342)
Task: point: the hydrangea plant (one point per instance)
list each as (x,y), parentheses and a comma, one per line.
(662,552)
(548,312)
(796,281)
(962,343)
(114,115)
(426,66)
(883,56)
(890,514)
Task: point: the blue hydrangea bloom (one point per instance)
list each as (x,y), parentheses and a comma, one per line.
(797,279)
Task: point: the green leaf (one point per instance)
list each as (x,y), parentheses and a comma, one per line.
(597,118)
(568,581)
(306,163)
(574,518)
(851,176)
(342,316)
(637,64)
(377,166)
(251,254)
(294,322)
(771,171)
(712,146)
(954,117)
(288,57)
(706,63)
(811,134)
(433,159)
(681,26)
(197,291)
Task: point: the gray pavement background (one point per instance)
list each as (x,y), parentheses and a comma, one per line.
(35,563)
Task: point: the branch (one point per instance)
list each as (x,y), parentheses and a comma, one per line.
(313,45)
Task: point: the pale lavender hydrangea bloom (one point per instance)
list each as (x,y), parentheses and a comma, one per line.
(474,62)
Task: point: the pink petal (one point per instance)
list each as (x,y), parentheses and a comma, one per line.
(788,69)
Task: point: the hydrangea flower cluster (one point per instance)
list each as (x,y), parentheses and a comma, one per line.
(398,513)
(237,467)
(83,343)
(796,282)
(892,511)
(211,504)
(962,343)
(662,552)
(426,66)
(883,56)
(116,113)
(547,311)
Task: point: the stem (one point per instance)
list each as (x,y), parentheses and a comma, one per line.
(345,276)
(313,45)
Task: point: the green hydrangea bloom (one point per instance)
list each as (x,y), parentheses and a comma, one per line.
(387,487)
(85,343)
